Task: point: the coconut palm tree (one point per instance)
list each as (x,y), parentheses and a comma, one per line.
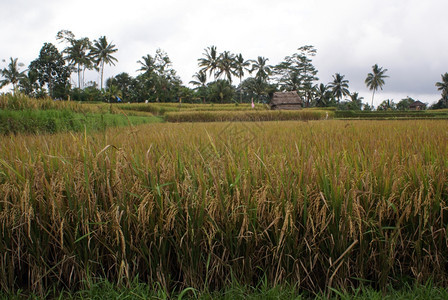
(260,66)
(356,101)
(308,93)
(222,90)
(375,79)
(29,84)
(201,79)
(443,86)
(339,86)
(200,82)
(113,92)
(226,65)
(102,53)
(354,97)
(163,64)
(253,86)
(292,81)
(12,74)
(147,64)
(323,95)
(240,66)
(210,61)
(78,55)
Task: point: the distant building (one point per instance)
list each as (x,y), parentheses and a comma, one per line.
(417,105)
(286,100)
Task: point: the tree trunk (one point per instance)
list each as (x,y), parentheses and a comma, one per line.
(83,76)
(241,92)
(79,77)
(50,87)
(102,71)
(373,95)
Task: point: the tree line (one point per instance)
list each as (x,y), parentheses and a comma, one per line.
(157,81)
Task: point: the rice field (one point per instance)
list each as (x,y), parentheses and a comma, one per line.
(160,108)
(316,205)
(248,116)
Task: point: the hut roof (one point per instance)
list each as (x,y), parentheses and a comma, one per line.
(417,103)
(280,98)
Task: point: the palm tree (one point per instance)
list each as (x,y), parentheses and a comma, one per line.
(375,79)
(226,65)
(443,86)
(29,84)
(356,101)
(354,97)
(147,64)
(263,70)
(78,55)
(162,64)
(210,62)
(292,81)
(125,84)
(339,86)
(323,95)
(200,81)
(102,53)
(387,105)
(12,74)
(256,86)
(222,90)
(113,91)
(241,65)
(308,93)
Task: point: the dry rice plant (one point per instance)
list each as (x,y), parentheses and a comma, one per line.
(314,204)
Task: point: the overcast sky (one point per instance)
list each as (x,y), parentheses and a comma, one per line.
(407,37)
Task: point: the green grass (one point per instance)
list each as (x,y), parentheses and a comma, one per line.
(21,114)
(53,121)
(103,289)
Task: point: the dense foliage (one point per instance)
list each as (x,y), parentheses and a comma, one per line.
(157,81)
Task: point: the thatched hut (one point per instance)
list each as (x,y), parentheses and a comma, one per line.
(417,105)
(286,100)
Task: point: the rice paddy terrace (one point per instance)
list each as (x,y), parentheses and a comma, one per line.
(319,204)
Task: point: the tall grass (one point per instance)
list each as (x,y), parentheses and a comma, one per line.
(244,116)
(393,114)
(21,114)
(20,101)
(316,205)
(163,108)
(53,121)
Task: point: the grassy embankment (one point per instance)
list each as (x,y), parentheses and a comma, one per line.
(314,205)
(20,114)
(174,112)
(386,115)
